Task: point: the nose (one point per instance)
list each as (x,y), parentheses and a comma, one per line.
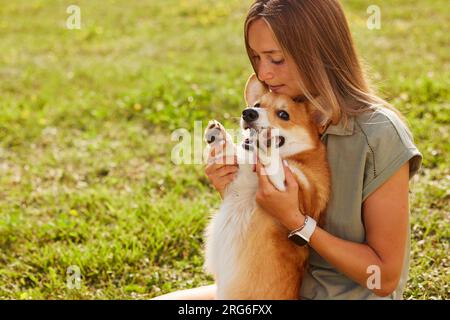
(250,115)
(265,72)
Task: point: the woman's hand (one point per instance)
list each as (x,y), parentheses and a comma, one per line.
(281,205)
(221,171)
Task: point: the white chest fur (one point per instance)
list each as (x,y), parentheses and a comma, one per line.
(227,231)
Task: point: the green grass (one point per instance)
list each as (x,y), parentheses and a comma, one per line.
(85,137)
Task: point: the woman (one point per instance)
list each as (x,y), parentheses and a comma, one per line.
(304,49)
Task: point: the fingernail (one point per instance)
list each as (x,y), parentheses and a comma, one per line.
(285,163)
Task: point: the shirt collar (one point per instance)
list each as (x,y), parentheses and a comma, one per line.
(339,129)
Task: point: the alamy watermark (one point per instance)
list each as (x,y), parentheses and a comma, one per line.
(73,279)
(374,280)
(374,20)
(74,19)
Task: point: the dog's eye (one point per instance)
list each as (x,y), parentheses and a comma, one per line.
(257,105)
(283,115)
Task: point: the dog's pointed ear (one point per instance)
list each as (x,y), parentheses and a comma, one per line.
(254,89)
(320,119)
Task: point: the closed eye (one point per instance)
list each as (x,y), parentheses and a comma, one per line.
(277,62)
(283,115)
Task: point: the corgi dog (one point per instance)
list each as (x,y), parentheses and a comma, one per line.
(248,251)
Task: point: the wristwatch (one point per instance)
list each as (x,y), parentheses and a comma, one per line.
(302,235)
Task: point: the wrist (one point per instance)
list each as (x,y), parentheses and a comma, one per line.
(296,221)
(302,236)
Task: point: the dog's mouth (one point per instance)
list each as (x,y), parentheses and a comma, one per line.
(251,133)
(251,141)
(252,129)
(248,145)
(280,141)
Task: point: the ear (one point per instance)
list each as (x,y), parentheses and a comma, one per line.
(254,89)
(319,118)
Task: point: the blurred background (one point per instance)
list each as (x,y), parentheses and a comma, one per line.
(91,206)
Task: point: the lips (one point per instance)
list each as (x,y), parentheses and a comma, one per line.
(274,88)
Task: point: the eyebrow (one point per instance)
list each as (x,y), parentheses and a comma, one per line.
(267,51)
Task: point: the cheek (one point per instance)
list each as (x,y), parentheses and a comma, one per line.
(288,90)
(283,72)
(293,90)
(292,79)
(296,141)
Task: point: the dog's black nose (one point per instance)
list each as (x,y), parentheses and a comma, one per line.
(249,115)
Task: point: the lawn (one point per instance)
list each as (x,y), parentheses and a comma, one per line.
(86,117)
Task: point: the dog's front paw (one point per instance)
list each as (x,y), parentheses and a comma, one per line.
(214,132)
(217,137)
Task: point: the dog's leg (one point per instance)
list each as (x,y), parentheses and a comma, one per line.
(218,139)
(269,156)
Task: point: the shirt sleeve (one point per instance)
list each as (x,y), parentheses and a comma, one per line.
(391,145)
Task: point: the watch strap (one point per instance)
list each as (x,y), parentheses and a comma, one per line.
(298,229)
(308,230)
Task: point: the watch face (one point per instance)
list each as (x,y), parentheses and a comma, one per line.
(298,240)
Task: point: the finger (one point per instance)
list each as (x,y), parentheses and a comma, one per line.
(222,172)
(223,160)
(213,168)
(224,181)
(228,178)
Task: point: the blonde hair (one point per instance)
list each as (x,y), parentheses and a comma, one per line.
(316,35)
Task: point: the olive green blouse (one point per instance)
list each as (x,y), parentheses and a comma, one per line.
(362,156)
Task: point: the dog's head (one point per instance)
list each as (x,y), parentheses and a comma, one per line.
(296,124)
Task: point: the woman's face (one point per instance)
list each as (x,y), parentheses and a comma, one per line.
(273,67)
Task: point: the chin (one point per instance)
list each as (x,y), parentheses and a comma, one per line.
(286,92)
